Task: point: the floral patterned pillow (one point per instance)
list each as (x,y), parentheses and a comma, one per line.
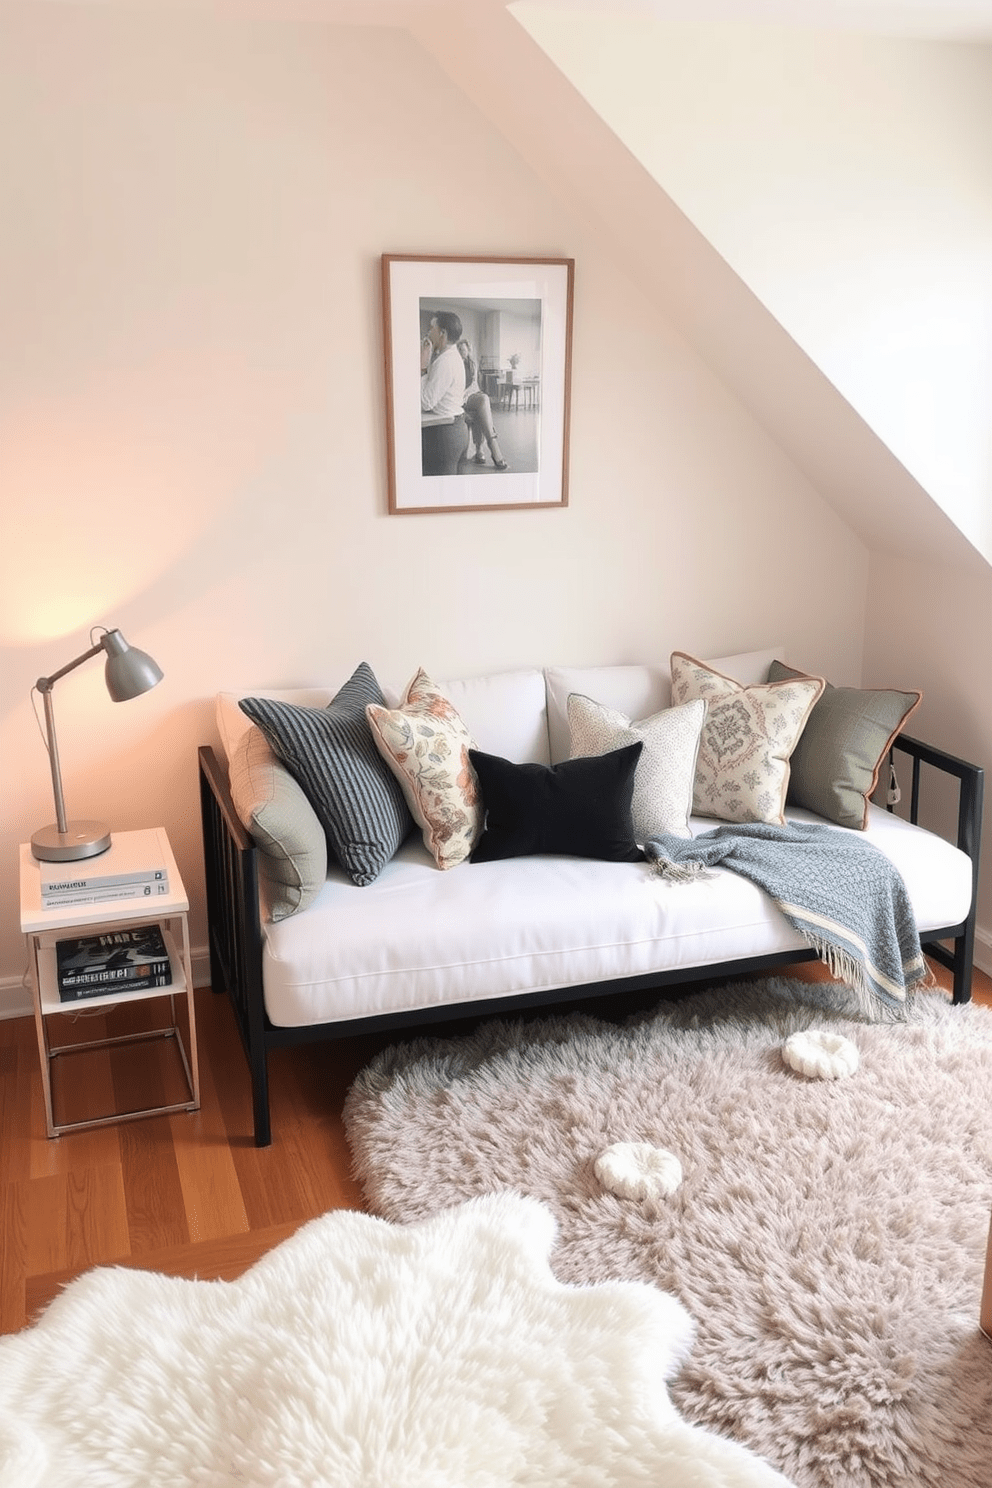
(742,770)
(425,744)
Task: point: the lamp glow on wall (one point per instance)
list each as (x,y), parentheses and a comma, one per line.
(128,673)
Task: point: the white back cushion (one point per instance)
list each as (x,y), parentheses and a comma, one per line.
(521,715)
(505,713)
(638,691)
(232,723)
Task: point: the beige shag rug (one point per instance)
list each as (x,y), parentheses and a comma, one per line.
(828,1235)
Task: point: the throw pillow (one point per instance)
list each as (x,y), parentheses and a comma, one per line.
(579,808)
(426,745)
(666,769)
(742,773)
(836,763)
(331,754)
(291,841)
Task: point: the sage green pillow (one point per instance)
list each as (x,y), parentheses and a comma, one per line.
(284,826)
(836,762)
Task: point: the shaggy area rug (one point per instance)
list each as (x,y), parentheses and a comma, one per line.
(827,1235)
(439,1355)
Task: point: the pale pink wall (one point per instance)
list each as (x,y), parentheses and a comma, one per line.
(192,426)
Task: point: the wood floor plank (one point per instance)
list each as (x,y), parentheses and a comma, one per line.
(15,1127)
(212,1260)
(268,1185)
(317,1145)
(14,1256)
(208,1177)
(72,1219)
(156,1211)
(83,1087)
(96,1228)
(15,1098)
(45,1203)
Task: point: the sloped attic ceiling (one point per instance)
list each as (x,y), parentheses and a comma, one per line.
(847,178)
(483,48)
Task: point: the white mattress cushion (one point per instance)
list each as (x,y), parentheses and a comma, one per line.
(421,938)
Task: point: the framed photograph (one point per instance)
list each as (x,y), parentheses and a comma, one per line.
(478,361)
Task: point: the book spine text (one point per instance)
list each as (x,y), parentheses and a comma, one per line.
(104,895)
(139,984)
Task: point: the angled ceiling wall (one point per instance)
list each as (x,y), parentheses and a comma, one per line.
(847,178)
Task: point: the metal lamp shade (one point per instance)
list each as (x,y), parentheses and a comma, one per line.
(129,672)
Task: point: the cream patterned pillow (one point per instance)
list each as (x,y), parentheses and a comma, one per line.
(667,765)
(742,773)
(425,744)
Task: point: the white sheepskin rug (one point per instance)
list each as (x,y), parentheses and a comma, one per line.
(363,1352)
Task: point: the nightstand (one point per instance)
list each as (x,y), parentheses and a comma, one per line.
(44,927)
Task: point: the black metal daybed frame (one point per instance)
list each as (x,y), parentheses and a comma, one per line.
(235,934)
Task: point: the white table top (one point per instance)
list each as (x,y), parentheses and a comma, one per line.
(151,845)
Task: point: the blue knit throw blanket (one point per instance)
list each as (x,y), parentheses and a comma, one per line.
(843,896)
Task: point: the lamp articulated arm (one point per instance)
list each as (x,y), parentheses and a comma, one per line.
(44,686)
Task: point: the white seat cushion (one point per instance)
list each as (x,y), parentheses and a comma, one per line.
(421,938)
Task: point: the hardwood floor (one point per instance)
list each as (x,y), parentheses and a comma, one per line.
(187,1194)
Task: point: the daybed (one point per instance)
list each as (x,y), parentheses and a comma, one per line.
(307,949)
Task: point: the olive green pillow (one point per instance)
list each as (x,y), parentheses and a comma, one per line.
(836,762)
(284,826)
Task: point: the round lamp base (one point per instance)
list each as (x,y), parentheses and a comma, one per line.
(81,839)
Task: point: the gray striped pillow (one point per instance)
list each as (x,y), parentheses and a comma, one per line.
(330,752)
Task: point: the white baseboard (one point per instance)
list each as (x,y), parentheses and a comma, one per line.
(15,997)
(15,994)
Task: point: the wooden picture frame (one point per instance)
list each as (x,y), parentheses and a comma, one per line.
(516,316)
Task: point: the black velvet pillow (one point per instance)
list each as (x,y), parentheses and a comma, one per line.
(580,808)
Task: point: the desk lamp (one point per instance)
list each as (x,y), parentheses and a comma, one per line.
(128,673)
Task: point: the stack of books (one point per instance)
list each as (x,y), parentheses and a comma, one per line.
(123,873)
(116,961)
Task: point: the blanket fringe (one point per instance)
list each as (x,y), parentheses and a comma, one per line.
(686,872)
(873,1006)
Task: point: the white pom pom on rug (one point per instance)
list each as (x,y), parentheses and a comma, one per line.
(637,1170)
(441,1354)
(820,1054)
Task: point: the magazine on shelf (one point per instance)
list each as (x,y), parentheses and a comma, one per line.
(116,960)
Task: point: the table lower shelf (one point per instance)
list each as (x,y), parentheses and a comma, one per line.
(187,1100)
(106,1085)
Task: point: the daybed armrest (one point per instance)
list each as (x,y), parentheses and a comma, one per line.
(235,935)
(971,793)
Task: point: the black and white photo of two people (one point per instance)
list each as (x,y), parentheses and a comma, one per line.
(480,386)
